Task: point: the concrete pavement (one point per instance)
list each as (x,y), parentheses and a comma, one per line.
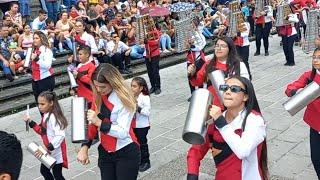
(288,137)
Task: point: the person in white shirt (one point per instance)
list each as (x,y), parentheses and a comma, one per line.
(119,53)
(142,4)
(39,23)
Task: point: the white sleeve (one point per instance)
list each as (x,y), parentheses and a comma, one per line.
(246,33)
(123,47)
(34,25)
(199,46)
(59,134)
(146,106)
(120,120)
(244,71)
(92,44)
(45,59)
(270,12)
(293,18)
(252,136)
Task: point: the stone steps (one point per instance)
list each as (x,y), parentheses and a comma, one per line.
(14,96)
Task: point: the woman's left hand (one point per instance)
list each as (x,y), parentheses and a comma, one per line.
(93,118)
(215,112)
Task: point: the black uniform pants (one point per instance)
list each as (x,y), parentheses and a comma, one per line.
(120,165)
(56,170)
(315,150)
(243,51)
(141,134)
(118,60)
(153,71)
(262,32)
(287,45)
(46,84)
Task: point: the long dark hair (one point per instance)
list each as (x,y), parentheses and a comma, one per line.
(313,71)
(233,60)
(252,105)
(50,96)
(142,83)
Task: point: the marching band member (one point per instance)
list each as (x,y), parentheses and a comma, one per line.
(83,38)
(263,21)
(42,72)
(288,34)
(241,40)
(195,55)
(237,138)
(311,115)
(52,130)
(115,105)
(225,59)
(83,75)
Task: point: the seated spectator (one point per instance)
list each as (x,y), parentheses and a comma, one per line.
(25,39)
(102,54)
(165,39)
(126,12)
(119,53)
(39,23)
(107,27)
(51,32)
(10,156)
(168,27)
(81,8)
(13,29)
(63,28)
(121,25)
(15,15)
(5,66)
(16,65)
(142,4)
(133,8)
(100,7)
(137,49)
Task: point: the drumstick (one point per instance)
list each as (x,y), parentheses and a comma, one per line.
(27,122)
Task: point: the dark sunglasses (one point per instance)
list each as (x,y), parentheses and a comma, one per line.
(233,88)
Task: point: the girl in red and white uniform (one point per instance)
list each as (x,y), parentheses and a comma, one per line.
(312,113)
(119,154)
(42,72)
(140,90)
(225,59)
(237,138)
(52,130)
(241,40)
(288,34)
(263,21)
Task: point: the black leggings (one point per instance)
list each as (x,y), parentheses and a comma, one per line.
(262,32)
(141,134)
(57,172)
(315,150)
(120,165)
(46,84)
(243,51)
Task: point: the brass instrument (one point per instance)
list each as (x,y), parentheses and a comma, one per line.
(283,12)
(312,31)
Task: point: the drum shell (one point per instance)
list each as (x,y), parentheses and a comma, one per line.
(45,159)
(217,78)
(73,82)
(195,129)
(302,98)
(28,58)
(79,122)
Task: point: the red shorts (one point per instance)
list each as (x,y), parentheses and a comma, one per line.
(18,65)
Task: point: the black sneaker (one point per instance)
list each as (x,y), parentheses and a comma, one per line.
(292,64)
(128,70)
(189,99)
(157,91)
(152,90)
(286,64)
(256,53)
(144,167)
(266,54)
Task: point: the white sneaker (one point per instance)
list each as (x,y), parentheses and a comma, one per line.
(15,77)
(166,51)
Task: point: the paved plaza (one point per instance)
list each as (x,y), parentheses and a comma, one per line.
(288,137)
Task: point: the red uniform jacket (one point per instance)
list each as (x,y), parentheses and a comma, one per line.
(84,79)
(312,113)
(152,47)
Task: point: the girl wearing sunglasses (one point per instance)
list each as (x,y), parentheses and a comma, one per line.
(311,115)
(226,59)
(237,138)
